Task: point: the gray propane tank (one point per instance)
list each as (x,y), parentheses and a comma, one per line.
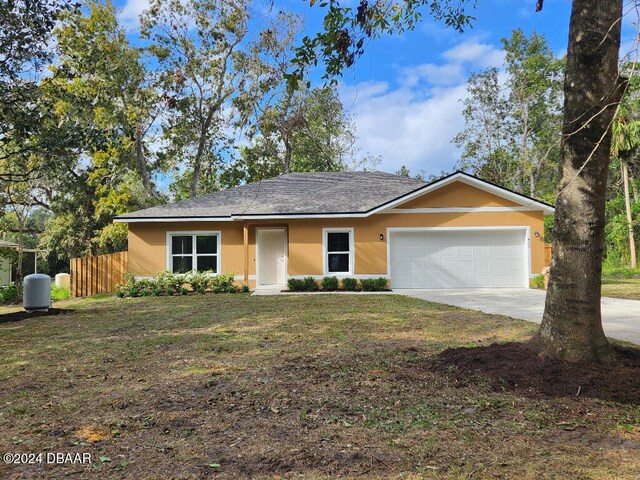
(36,292)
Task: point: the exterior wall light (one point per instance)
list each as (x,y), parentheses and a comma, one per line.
(536,234)
(381,236)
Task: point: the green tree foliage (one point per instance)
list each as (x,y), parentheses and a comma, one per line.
(103,111)
(512,134)
(346,30)
(304,131)
(623,205)
(403,171)
(25,45)
(90,139)
(212,71)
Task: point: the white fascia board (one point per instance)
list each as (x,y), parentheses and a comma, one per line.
(172,219)
(308,215)
(459,210)
(236,218)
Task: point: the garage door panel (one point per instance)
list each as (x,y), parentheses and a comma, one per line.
(444,265)
(467,265)
(458,259)
(499,266)
(484,281)
(481,266)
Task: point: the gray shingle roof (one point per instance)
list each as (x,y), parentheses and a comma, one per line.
(293,194)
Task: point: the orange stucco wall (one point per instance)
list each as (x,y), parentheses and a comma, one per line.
(458,194)
(147,252)
(147,249)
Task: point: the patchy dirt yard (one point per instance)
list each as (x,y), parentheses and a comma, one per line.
(232,386)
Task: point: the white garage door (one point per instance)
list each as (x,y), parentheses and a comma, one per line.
(458,258)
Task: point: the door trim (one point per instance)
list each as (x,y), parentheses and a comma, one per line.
(526,245)
(286,256)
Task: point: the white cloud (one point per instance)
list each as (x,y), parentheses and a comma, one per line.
(413,123)
(448,74)
(130,13)
(475,53)
(407,130)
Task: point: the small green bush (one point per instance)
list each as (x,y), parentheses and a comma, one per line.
(223,281)
(59,292)
(146,284)
(128,287)
(8,293)
(310,284)
(537,282)
(350,284)
(295,285)
(307,284)
(374,284)
(245,289)
(198,281)
(169,281)
(330,283)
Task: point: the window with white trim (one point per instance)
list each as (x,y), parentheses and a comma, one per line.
(197,252)
(338,251)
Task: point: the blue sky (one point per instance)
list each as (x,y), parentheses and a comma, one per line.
(405,92)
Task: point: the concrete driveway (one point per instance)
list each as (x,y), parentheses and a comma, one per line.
(620,318)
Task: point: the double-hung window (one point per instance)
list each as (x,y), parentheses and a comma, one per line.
(193,252)
(338,251)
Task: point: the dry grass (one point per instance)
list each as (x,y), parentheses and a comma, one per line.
(283,387)
(628,288)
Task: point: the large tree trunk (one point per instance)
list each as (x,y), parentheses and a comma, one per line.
(142,164)
(632,180)
(202,144)
(288,151)
(627,206)
(572,326)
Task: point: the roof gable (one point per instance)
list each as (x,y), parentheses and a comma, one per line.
(458,194)
(461,191)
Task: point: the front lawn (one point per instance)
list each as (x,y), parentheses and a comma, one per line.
(628,288)
(233,386)
(621,282)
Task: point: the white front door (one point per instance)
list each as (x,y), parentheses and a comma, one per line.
(271,257)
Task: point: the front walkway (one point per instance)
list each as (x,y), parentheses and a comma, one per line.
(620,318)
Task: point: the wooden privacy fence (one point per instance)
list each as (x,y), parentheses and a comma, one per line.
(547,254)
(99,274)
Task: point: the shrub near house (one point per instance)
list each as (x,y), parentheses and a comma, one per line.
(332,284)
(167,283)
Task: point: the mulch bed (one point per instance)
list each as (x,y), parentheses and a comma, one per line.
(24,315)
(514,367)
